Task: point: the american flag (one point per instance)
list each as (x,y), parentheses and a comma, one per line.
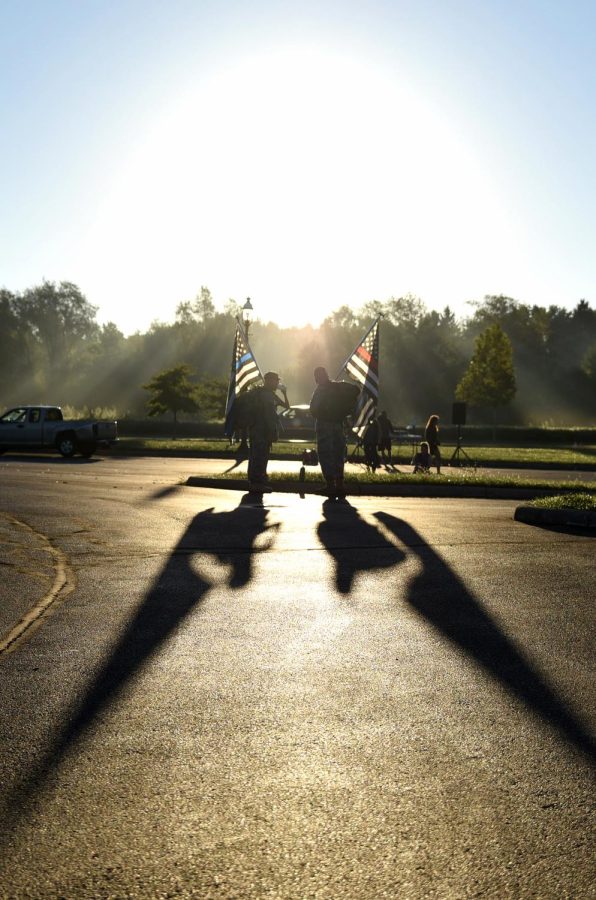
(363,367)
(245,372)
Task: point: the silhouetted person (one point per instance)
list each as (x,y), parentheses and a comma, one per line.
(422,460)
(263,430)
(370,441)
(431,436)
(385,430)
(331,440)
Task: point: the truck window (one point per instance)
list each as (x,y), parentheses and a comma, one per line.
(34,415)
(14,415)
(54,415)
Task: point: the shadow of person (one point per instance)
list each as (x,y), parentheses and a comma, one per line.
(443,600)
(231,537)
(239,459)
(176,592)
(251,499)
(354,544)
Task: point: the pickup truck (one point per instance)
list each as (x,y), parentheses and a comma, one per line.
(44,427)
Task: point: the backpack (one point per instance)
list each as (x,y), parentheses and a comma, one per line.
(245,410)
(338,400)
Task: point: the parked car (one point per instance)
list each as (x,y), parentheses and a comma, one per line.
(44,427)
(297,424)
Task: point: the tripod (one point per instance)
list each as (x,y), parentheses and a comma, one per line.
(354,456)
(459,452)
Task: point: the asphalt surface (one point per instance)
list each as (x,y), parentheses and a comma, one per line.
(384,698)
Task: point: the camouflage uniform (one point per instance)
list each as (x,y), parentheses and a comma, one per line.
(331,443)
(262,434)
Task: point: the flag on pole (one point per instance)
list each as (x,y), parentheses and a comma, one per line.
(363,367)
(244,373)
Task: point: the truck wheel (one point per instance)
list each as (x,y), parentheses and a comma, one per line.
(65,444)
(87,450)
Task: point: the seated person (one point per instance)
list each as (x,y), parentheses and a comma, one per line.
(422,460)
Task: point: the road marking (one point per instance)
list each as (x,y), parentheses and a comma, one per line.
(64,583)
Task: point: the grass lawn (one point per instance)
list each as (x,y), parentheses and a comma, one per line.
(566,501)
(541,457)
(575,456)
(463,477)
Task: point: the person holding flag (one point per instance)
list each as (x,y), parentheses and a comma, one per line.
(244,375)
(363,366)
(251,407)
(263,429)
(331,402)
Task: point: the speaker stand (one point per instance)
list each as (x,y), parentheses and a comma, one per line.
(354,456)
(458,455)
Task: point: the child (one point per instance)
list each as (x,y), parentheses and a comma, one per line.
(422,459)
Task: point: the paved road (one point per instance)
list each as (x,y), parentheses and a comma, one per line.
(388,698)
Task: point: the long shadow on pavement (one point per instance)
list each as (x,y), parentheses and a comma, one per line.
(349,539)
(443,600)
(177,591)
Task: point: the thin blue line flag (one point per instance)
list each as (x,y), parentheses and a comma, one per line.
(244,374)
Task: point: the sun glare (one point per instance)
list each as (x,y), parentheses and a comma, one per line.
(303,178)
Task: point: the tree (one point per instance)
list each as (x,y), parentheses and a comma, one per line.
(406,310)
(589,363)
(184,313)
(172,391)
(232,308)
(341,318)
(201,309)
(213,394)
(58,316)
(203,305)
(12,363)
(489,379)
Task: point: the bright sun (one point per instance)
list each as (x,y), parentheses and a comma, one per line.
(303,178)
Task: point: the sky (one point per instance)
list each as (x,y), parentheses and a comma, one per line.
(306,155)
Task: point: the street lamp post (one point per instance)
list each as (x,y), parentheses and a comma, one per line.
(247,315)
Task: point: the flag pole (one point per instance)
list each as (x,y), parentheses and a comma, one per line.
(361,341)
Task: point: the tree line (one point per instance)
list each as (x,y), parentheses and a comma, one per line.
(52,349)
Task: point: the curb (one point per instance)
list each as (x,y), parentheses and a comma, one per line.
(354,489)
(533,515)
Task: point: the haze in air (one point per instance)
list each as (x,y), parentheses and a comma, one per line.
(307,158)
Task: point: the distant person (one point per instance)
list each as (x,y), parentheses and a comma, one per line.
(263,429)
(385,431)
(422,460)
(330,403)
(370,441)
(431,436)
